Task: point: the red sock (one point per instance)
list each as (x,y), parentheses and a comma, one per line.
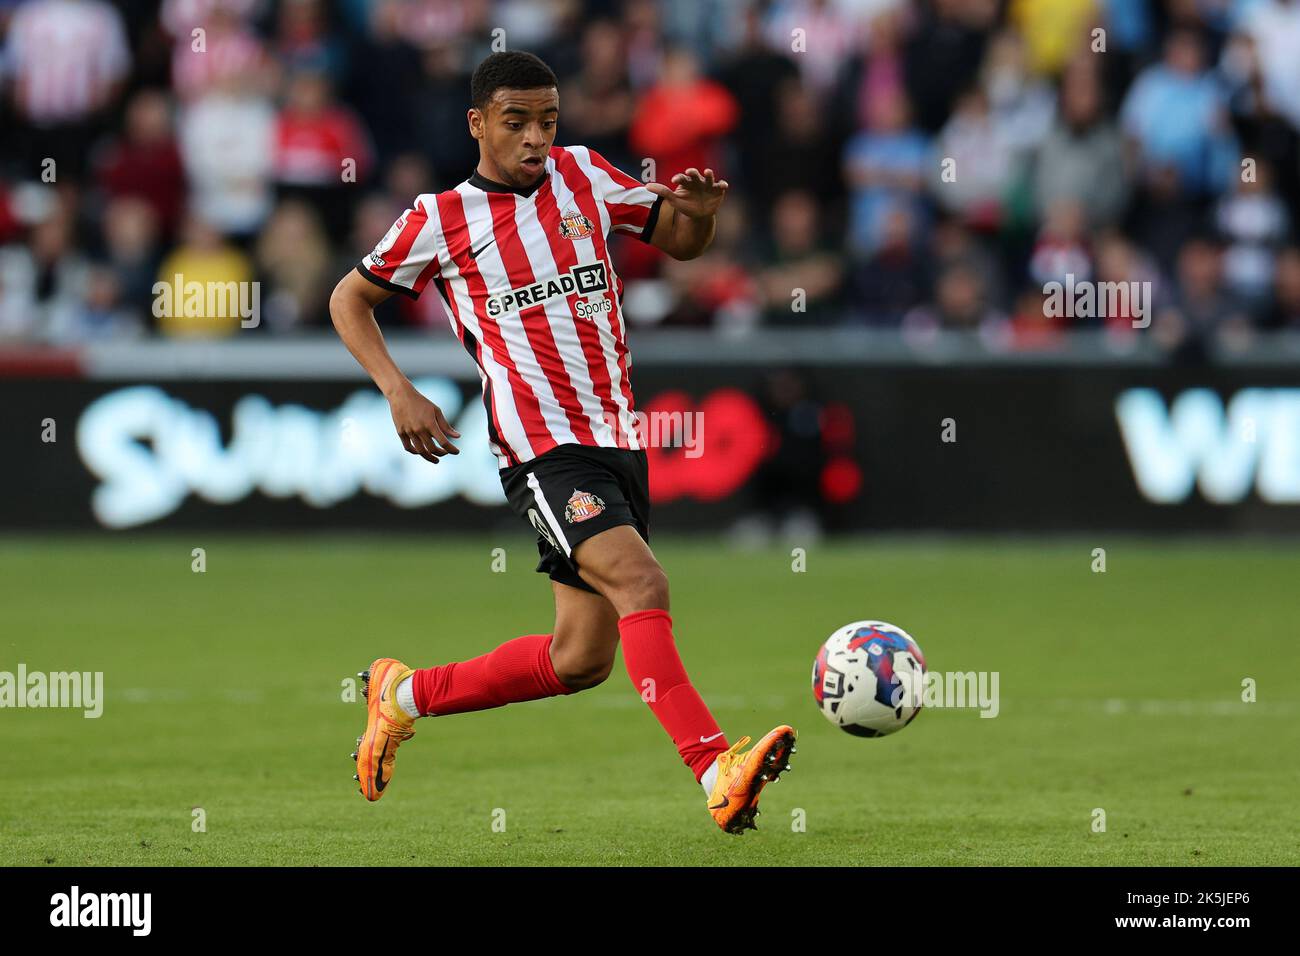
(516,671)
(651,655)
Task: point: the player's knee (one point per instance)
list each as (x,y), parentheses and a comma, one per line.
(583,670)
(643,588)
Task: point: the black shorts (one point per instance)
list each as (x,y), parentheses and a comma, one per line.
(573,492)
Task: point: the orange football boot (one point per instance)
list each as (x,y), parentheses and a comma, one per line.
(387,725)
(742,777)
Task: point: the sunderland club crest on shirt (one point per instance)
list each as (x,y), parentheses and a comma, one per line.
(582,505)
(574,225)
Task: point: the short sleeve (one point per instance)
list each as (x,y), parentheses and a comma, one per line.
(632,207)
(407,257)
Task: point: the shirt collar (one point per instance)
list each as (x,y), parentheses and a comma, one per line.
(492,186)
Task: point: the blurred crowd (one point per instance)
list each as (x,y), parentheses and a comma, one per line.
(909,164)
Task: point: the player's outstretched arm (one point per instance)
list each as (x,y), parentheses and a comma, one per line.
(688,217)
(423,428)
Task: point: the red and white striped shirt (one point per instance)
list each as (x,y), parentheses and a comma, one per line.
(531,292)
(65,58)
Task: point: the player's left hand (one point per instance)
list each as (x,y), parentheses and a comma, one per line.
(697,195)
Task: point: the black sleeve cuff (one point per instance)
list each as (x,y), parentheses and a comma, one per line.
(651,220)
(385,284)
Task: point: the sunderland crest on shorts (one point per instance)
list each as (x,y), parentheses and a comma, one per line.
(582,505)
(574,225)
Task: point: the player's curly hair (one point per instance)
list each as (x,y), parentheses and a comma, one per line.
(511,70)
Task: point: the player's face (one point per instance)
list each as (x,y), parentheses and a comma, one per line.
(515,133)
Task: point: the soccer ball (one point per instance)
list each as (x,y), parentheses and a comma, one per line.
(868,678)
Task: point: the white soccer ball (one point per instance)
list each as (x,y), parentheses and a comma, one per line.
(869,678)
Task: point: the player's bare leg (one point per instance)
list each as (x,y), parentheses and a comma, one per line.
(586,637)
(619,564)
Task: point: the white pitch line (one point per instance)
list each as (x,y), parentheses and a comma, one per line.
(1157,707)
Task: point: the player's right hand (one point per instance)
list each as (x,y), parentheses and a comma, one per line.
(423,428)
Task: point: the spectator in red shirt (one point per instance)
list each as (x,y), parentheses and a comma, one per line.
(145,163)
(321,149)
(681,120)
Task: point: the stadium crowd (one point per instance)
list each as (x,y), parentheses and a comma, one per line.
(912,164)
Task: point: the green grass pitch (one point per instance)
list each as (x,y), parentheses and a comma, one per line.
(1120,691)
